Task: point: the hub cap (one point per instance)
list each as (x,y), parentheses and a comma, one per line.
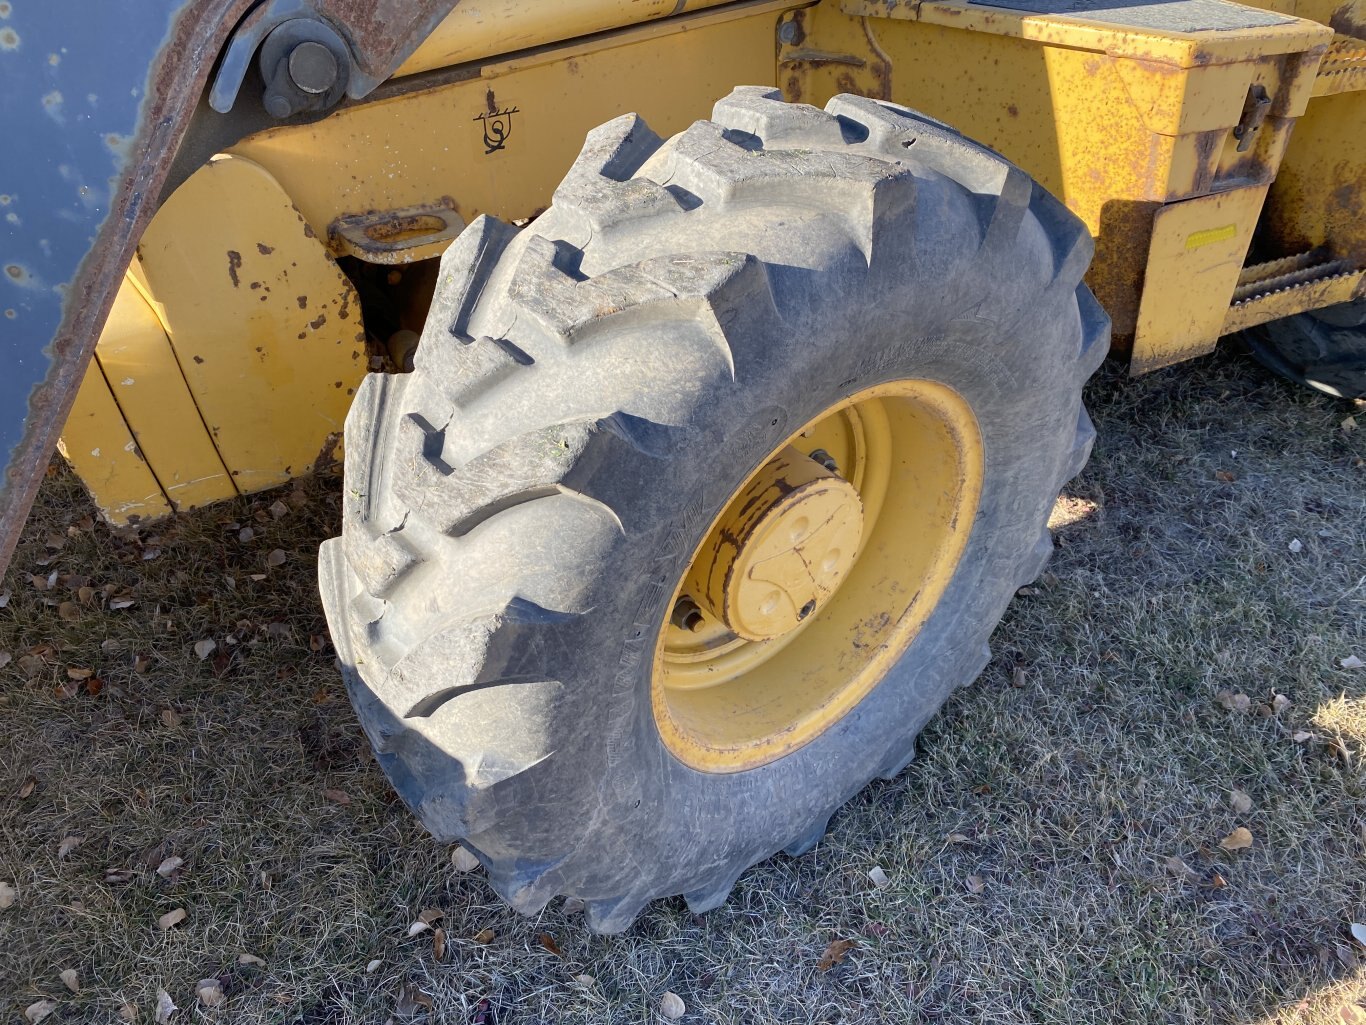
(817,575)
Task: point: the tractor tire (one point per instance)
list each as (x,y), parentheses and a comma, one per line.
(1324,350)
(592,394)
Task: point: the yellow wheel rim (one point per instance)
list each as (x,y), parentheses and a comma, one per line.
(816,576)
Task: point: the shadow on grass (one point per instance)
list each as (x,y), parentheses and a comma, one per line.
(1054,852)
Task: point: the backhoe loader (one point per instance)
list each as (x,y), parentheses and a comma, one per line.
(703,372)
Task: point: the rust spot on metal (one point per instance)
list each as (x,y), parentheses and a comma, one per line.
(302,300)
(198,359)
(264,249)
(234,265)
(308,231)
(1013,110)
(318,321)
(491,102)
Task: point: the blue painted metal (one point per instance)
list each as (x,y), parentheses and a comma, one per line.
(74,83)
(95,98)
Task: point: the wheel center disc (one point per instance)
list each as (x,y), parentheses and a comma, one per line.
(783,546)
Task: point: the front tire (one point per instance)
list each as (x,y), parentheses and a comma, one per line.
(589,399)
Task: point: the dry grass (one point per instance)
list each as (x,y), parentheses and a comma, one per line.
(1093,749)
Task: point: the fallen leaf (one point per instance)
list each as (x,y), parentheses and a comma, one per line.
(210,992)
(36,1012)
(204,648)
(249,959)
(1225,476)
(128,1011)
(120,603)
(276,558)
(1351,662)
(417,927)
(1302,736)
(584,980)
(26,787)
(1017,678)
(373,966)
(1352,1014)
(165,1007)
(245,534)
(1296,546)
(485,936)
(118,876)
(71,980)
(1358,932)
(5,659)
(879,877)
(168,867)
(411,1001)
(8,894)
(1348,425)
(834,954)
(1233,702)
(671,1005)
(548,941)
(574,905)
(430,915)
(1216,881)
(69,844)
(975,884)
(439,944)
(337,797)
(5,597)
(1239,839)
(78,673)
(278,509)
(1178,867)
(1279,703)
(463,860)
(68,612)
(958,838)
(1240,802)
(171,919)
(140,663)
(170,717)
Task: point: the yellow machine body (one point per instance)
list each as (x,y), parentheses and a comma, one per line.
(1214,149)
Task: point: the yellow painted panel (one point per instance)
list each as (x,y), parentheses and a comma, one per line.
(478,31)
(1198,248)
(264,325)
(100,448)
(150,390)
(428,145)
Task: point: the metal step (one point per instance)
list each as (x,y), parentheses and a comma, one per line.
(1294,284)
(1343,68)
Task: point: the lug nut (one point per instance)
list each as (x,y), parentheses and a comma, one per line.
(825,459)
(687,616)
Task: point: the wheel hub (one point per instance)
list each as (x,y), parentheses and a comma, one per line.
(781,549)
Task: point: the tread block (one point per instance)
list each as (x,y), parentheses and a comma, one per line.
(924,141)
(446,493)
(599,186)
(465,269)
(1073,246)
(565,305)
(1095,333)
(1082,445)
(712,165)
(378,560)
(762,112)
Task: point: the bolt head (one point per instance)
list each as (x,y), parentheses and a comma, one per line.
(312,67)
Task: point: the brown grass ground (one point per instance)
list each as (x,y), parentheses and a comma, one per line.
(1094,749)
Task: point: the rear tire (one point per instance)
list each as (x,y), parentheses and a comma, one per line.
(1324,350)
(588,395)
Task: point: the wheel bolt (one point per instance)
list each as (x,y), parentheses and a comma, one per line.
(687,616)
